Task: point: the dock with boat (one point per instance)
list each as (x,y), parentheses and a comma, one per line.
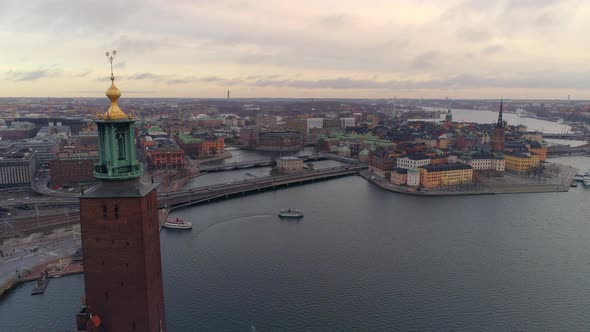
(41,284)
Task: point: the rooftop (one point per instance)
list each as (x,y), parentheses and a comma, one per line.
(401,171)
(445,167)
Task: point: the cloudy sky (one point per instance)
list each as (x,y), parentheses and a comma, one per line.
(269,48)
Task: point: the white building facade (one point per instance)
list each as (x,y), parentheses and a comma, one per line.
(485,163)
(412,162)
(413,179)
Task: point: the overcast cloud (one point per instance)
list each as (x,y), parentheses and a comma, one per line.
(329,48)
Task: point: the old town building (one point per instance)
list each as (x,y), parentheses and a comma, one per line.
(445,175)
(520,162)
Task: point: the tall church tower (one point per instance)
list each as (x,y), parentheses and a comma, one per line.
(449,117)
(498,135)
(120,234)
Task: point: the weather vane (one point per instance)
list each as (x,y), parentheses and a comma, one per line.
(111,56)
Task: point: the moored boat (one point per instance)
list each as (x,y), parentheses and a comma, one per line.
(40,284)
(290,214)
(586,178)
(177,223)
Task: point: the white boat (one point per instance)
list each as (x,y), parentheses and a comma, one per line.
(587,178)
(290,214)
(579,177)
(177,224)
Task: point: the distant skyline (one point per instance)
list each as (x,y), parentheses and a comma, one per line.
(522,49)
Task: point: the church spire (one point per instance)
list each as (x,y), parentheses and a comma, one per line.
(500,123)
(449,116)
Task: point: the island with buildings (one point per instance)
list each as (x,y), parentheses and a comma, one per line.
(49,148)
(54,151)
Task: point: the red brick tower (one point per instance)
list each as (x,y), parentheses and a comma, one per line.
(120,235)
(498,135)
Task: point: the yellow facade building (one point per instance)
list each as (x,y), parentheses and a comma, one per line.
(441,175)
(520,162)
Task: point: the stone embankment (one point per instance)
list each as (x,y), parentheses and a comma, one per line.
(55,268)
(559,181)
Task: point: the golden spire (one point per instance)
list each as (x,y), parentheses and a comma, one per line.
(113,93)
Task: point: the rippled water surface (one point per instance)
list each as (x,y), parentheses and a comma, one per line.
(363,259)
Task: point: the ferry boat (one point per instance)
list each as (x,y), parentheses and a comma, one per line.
(290,214)
(177,223)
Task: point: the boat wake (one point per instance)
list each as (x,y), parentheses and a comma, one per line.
(219,222)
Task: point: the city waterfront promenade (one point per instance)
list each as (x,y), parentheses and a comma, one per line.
(509,183)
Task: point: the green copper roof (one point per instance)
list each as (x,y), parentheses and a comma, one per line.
(367,138)
(187,139)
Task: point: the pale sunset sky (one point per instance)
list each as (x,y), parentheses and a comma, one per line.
(313,49)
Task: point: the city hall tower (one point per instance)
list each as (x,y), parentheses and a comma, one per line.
(120,234)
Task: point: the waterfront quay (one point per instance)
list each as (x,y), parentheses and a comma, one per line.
(26,257)
(509,183)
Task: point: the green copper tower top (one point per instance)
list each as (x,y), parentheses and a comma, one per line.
(116,139)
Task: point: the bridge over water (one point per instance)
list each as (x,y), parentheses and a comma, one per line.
(570,136)
(568,150)
(206,194)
